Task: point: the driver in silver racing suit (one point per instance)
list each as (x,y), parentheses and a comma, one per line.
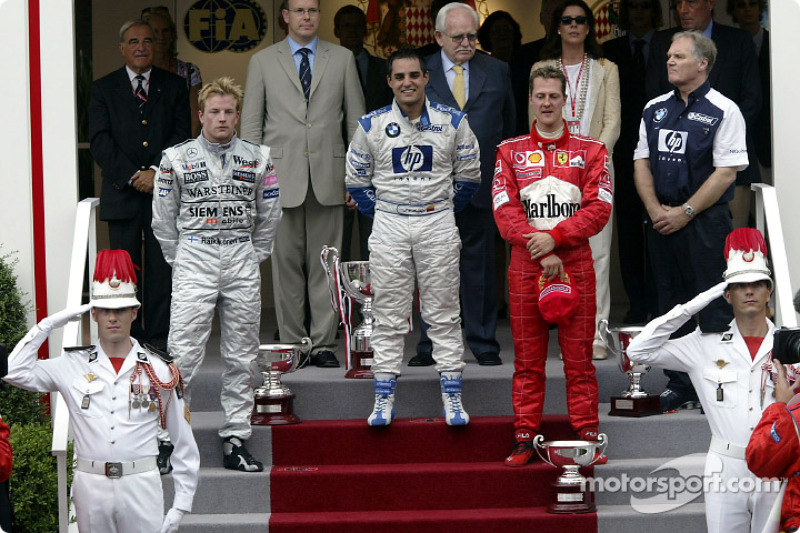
(216,208)
(412,174)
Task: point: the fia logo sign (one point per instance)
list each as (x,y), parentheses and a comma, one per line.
(217,25)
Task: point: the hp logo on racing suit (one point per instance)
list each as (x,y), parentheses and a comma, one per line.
(673,142)
(412,159)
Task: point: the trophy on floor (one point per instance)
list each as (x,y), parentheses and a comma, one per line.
(573,493)
(274,401)
(635,401)
(348,282)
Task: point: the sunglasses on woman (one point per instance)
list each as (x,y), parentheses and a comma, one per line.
(580,20)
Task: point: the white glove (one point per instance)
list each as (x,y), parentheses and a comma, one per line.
(172,521)
(61,318)
(699,302)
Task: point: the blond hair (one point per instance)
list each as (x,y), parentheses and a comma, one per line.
(221,86)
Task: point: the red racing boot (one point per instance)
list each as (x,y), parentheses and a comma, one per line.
(523,452)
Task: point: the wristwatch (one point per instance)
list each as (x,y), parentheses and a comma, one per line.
(688,210)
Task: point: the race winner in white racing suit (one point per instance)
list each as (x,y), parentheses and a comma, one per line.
(412,175)
(216,208)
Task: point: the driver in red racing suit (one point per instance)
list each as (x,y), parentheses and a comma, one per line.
(551,192)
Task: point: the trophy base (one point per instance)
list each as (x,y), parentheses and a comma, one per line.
(274,412)
(635,407)
(572,499)
(360,365)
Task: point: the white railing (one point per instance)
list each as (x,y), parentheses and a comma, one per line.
(768,220)
(84,245)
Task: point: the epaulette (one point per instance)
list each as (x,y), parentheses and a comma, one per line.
(164,356)
(87,348)
(455,114)
(366,120)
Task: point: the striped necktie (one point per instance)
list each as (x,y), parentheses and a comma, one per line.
(141,95)
(305,72)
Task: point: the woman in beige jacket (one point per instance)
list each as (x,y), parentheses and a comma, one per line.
(592,110)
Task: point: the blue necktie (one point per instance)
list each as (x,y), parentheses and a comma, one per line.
(305,72)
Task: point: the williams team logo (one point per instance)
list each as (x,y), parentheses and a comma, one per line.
(673,142)
(412,159)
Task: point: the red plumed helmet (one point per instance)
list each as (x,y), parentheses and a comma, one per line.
(114,281)
(746,253)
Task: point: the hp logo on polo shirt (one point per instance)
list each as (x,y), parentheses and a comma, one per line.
(412,159)
(673,142)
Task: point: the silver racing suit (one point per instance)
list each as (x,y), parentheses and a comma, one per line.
(412,175)
(216,208)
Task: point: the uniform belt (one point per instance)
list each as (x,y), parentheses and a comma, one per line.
(726,448)
(412,210)
(117,470)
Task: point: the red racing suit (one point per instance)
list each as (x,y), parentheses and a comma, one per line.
(561,186)
(774,451)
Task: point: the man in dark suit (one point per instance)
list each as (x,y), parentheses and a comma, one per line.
(487,99)
(521,63)
(735,75)
(134,113)
(639,18)
(350,27)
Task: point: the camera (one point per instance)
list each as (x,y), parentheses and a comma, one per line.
(786,345)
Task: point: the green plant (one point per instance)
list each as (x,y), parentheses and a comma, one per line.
(34,478)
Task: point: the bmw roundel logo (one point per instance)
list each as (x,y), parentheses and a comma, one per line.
(393,129)
(659,115)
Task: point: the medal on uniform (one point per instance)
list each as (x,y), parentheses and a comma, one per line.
(574,127)
(90,377)
(720,392)
(135,403)
(86,401)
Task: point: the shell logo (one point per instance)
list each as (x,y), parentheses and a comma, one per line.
(535,157)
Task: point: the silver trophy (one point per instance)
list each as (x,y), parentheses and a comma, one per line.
(273,401)
(635,401)
(348,282)
(573,495)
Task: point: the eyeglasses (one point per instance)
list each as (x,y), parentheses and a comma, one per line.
(580,20)
(458,39)
(313,12)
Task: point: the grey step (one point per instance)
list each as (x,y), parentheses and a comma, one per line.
(225,523)
(220,489)
(651,482)
(689,518)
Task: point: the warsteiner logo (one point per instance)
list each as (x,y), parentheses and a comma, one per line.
(217,25)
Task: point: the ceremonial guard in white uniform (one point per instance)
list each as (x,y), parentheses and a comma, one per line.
(118,393)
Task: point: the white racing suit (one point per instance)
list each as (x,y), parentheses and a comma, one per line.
(216,208)
(411,176)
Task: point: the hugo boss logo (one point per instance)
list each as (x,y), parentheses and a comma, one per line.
(217,25)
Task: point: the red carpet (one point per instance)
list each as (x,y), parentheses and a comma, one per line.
(416,475)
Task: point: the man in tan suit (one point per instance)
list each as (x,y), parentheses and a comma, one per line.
(299,94)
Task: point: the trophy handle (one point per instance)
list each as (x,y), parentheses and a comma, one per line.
(537,445)
(602,327)
(306,344)
(331,267)
(602,438)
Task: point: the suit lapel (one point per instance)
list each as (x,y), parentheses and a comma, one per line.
(596,81)
(157,79)
(438,82)
(286,62)
(320,63)
(125,94)
(477,78)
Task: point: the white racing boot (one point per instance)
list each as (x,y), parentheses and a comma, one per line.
(454,413)
(383,412)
